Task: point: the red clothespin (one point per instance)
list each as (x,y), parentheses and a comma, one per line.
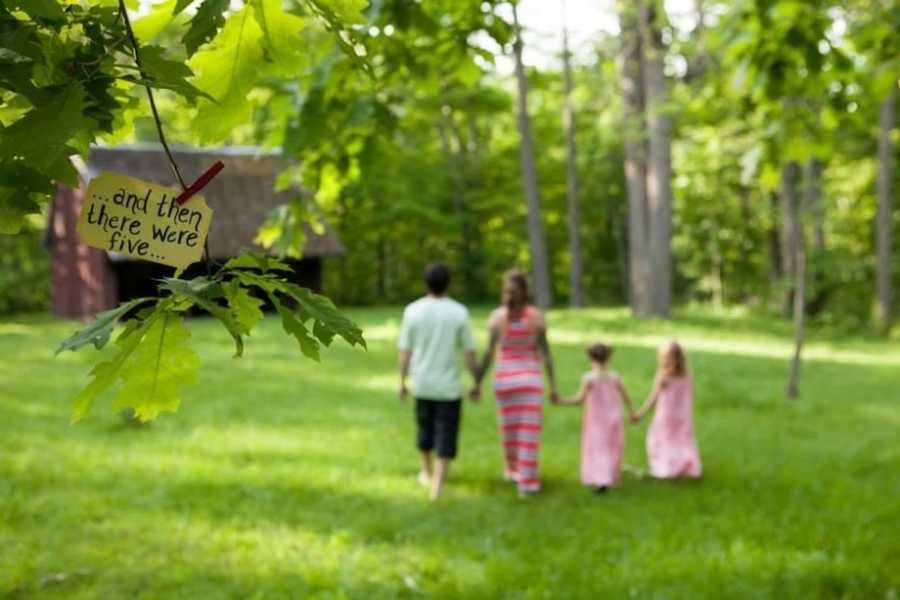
(201,182)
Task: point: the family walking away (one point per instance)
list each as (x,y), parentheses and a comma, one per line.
(434,331)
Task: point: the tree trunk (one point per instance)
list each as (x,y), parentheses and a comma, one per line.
(798,238)
(381,269)
(885,173)
(717,278)
(659,175)
(543,295)
(576,277)
(817,293)
(630,70)
(814,202)
(776,260)
(471,125)
(790,203)
(620,233)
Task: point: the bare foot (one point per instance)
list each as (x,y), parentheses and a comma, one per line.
(436,488)
(424,479)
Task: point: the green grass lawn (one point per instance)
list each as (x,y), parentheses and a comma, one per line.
(281,478)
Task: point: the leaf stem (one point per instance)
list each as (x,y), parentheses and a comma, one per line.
(123,12)
(137,59)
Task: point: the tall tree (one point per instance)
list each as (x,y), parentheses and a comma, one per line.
(576,277)
(791,246)
(885,174)
(631,76)
(799,290)
(776,259)
(659,171)
(539,262)
(819,288)
(814,203)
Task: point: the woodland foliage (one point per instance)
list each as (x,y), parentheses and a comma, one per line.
(398,119)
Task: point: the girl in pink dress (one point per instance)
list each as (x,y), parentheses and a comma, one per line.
(602,434)
(671,447)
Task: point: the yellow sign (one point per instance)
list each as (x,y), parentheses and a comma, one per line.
(142,220)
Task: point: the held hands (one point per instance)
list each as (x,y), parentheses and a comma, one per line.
(475,394)
(554,398)
(635,417)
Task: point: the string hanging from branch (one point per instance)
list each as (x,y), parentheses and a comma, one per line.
(135,49)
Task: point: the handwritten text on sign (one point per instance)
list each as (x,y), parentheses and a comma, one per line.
(139,219)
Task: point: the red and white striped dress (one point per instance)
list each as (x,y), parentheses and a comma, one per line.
(519,389)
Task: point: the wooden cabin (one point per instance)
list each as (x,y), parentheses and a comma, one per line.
(86,281)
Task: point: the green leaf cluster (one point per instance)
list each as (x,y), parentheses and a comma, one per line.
(311,318)
(67,73)
(151,360)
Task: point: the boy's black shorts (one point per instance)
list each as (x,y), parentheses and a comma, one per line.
(438,425)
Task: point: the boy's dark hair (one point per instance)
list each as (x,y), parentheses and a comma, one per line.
(600,352)
(437,278)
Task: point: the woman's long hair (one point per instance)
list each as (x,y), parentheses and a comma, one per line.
(515,295)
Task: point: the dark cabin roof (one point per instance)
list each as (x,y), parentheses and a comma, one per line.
(241,196)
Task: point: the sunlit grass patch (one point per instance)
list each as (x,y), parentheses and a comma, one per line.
(283,478)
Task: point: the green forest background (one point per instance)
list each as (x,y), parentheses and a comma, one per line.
(420,160)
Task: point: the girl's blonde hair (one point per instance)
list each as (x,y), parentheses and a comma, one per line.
(671,361)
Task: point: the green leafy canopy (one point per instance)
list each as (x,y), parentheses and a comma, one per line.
(67,75)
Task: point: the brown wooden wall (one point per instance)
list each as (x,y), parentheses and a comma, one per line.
(83,280)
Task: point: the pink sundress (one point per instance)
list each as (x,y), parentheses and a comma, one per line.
(602,434)
(671,446)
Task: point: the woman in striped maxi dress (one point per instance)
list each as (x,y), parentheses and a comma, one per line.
(518,341)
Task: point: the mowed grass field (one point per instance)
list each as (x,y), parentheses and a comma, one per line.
(282,478)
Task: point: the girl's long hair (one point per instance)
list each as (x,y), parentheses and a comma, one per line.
(671,361)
